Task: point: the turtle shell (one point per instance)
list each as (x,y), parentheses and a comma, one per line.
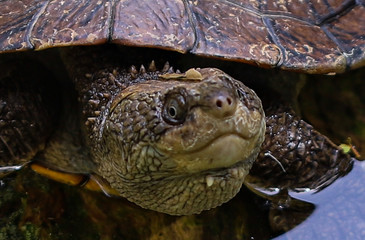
(308,36)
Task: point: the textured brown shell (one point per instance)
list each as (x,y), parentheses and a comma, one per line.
(321,36)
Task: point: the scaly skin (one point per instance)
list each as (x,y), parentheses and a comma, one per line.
(27,113)
(122,129)
(296,156)
(182,165)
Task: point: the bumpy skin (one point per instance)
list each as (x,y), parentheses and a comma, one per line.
(28,106)
(175,146)
(296,156)
(120,130)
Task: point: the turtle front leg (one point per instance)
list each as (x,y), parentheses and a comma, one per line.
(28,110)
(296,156)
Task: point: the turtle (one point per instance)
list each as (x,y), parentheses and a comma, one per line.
(170,141)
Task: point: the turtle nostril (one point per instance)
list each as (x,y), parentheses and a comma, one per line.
(219,103)
(229,101)
(222,103)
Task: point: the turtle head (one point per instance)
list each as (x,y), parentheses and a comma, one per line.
(182,144)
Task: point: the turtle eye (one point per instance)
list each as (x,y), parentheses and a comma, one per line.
(175,109)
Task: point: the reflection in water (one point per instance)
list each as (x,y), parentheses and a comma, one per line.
(333,209)
(34,206)
(339,212)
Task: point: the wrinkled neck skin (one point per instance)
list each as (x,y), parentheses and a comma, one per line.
(176,146)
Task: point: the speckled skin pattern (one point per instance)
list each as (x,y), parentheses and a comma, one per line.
(145,133)
(184,164)
(313,37)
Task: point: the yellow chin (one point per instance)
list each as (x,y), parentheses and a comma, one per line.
(223,152)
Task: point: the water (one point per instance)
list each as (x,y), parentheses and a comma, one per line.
(339,210)
(32,207)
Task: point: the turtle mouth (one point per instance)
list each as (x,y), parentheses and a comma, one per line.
(220,139)
(222,152)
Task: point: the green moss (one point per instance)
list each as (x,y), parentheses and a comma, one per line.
(30,231)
